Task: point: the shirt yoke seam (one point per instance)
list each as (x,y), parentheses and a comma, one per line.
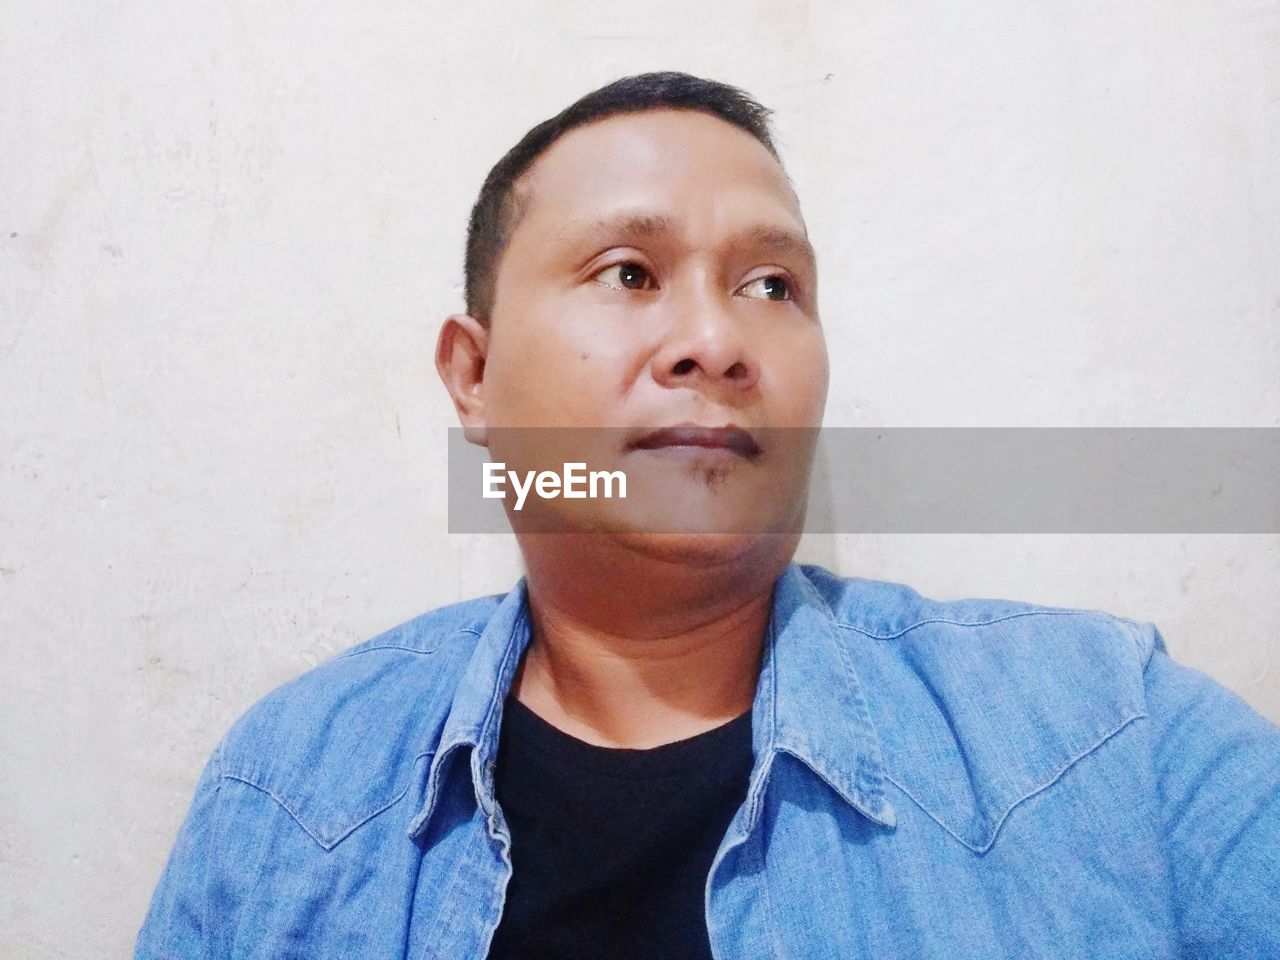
(390,646)
(971,623)
(1052,779)
(360,820)
(374,646)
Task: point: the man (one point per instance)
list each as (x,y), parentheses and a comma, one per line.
(668,740)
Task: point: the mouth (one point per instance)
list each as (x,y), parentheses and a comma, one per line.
(691,439)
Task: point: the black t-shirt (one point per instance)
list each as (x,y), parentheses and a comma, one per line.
(611,847)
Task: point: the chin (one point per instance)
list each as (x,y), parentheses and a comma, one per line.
(702,535)
(705,550)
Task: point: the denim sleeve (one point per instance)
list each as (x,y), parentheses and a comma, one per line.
(176,925)
(1217,763)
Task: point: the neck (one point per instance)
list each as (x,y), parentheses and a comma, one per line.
(634,649)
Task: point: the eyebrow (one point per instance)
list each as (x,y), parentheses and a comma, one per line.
(783,241)
(635,225)
(647,226)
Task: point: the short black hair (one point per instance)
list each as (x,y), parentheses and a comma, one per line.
(498,209)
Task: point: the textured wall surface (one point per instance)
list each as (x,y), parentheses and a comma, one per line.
(228,234)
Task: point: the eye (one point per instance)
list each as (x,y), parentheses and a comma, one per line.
(773,287)
(624,276)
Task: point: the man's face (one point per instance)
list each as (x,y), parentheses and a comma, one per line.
(661,275)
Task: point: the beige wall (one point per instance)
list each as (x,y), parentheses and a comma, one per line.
(228,233)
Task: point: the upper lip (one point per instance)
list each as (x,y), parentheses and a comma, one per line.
(732,438)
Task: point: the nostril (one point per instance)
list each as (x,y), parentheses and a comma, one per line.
(736,372)
(683,367)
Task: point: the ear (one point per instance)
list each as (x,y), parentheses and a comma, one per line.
(460,355)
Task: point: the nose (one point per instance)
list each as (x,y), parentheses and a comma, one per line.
(706,347)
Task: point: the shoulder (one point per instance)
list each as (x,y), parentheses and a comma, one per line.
(339,743)
(898,621)
(982,702)
(888,611)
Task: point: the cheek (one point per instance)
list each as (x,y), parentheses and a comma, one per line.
(551,376)
(800,379)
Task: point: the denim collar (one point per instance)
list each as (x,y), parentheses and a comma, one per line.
(809,703)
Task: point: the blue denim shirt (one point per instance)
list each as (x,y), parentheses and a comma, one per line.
(974,778)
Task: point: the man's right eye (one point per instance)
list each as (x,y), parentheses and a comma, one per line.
(624,276)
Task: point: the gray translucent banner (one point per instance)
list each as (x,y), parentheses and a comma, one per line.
(876,480)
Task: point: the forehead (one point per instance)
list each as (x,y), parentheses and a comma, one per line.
(683,164)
